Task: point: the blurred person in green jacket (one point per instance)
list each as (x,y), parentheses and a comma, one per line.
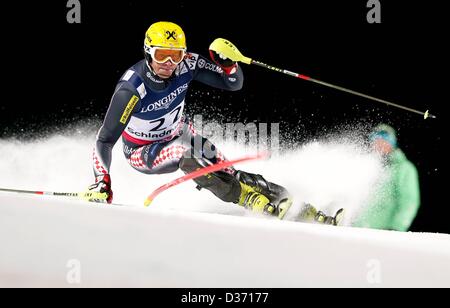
(396,200)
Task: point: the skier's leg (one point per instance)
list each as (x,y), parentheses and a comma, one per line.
(222,184)
(158,158)
(227,185)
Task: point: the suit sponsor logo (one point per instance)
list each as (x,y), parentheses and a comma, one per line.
(126,114)
(213,68)
(191,60)
(181,69)
(171,35)
(149,135)
(152,78)
(166,101)
(201,63)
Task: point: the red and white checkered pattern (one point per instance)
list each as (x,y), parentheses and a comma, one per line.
(168,154)
(99,167)
(136,161)
(220,158)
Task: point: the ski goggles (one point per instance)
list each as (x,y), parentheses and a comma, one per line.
(162,55)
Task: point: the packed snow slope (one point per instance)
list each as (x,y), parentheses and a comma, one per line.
(44,240)
(189,238)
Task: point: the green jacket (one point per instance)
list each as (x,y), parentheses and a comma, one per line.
(395,203)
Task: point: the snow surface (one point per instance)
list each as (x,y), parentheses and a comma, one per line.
(136,247)
(189,238)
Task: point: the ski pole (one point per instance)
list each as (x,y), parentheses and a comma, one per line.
(235,55)
(81,195)
(425,114)
(200,172)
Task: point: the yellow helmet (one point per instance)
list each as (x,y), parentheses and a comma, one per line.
(166,35)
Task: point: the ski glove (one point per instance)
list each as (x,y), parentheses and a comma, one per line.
(103,185)
(225,54)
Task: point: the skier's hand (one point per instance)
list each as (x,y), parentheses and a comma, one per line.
(225,54)
(102,185)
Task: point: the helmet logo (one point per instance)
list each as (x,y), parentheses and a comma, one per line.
(171,35)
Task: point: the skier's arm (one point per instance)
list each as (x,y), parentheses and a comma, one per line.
(408,197)
(124,103)
(211,74)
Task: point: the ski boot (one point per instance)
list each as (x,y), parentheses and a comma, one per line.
(267,197)
(310,214)
(255,201)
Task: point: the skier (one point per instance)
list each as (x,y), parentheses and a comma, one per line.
(147,111)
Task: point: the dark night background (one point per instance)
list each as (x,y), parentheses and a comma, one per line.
(64,72)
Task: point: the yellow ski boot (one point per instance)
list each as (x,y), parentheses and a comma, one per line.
(259,203)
